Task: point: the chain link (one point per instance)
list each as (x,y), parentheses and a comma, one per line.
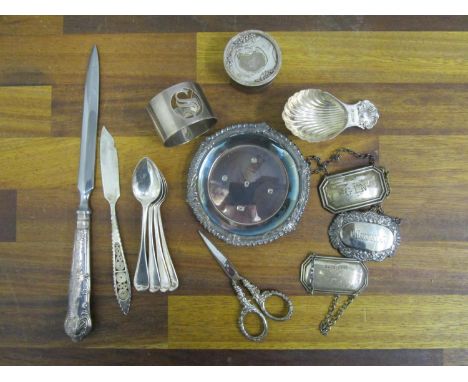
(321,166)
(332,315)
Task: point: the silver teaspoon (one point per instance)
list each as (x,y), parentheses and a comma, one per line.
(146,189)
(174,281)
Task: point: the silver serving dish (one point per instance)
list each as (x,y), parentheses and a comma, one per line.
(314,115)
(252,58)
(248,184)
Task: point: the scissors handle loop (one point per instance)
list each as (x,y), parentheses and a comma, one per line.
(261,298)
(249,308)
(265,295)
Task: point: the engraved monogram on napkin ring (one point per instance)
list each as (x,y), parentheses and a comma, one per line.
(181,113)
(365,235)
(354,189)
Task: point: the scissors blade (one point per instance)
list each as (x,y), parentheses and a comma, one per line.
(222,260)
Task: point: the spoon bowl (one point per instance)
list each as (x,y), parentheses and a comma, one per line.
(146,183)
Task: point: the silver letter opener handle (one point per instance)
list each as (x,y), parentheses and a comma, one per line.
(78,320)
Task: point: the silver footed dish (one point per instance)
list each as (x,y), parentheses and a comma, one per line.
(248,184)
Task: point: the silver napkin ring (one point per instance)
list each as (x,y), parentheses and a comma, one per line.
(181,113)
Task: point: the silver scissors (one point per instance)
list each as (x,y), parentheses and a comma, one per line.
(248,306)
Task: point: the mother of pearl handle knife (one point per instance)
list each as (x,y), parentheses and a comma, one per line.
(78,319)
(111,188)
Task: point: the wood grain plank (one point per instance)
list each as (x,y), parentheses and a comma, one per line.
(418,267)
(33,294)
(231,23)
(31,25)
(21,356)
(428,180)
(53,60)
(351,57)
(7,215)
(372,322)
(25,111)
(405,109)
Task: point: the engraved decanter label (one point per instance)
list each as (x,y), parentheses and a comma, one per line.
(354,189)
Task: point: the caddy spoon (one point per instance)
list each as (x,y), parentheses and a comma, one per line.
(146,188)
(314,115)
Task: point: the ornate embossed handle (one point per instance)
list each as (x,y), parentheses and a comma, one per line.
(122,285)
(249,308)
(78,320)
(363,114)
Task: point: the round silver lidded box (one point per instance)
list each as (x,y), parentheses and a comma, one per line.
(181,113)
(252,59)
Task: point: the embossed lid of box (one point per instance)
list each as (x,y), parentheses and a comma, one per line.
(252,58)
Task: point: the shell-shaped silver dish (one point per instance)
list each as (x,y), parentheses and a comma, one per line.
(314,115)
(248,184)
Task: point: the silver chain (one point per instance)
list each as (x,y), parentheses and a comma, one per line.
(334,314)
(321,166)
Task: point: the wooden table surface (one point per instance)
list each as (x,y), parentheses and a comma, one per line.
(415,69)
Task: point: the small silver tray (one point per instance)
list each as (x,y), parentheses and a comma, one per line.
(248,184)
(335,275)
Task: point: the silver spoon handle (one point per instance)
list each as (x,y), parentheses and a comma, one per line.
(167,256)
(163,269)
(154,278)
(140,280)
(122,285)
(78,321)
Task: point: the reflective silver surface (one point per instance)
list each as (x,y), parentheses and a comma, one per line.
(334,275)
(314,115)
(111,189)
(241,285)
(365,235)
(354,189)
(146,187)
(252,58)
(181,113)
(78,320)
(248,184)
(89,129)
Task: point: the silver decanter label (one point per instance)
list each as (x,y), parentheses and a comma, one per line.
(354,189)
(365,235)
(336,275)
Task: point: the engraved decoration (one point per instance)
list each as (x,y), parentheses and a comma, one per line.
(78,320)
(367,114)
(335,275)
(358,188)
(122,285)
(186,103)
(379,231)
(252,58)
